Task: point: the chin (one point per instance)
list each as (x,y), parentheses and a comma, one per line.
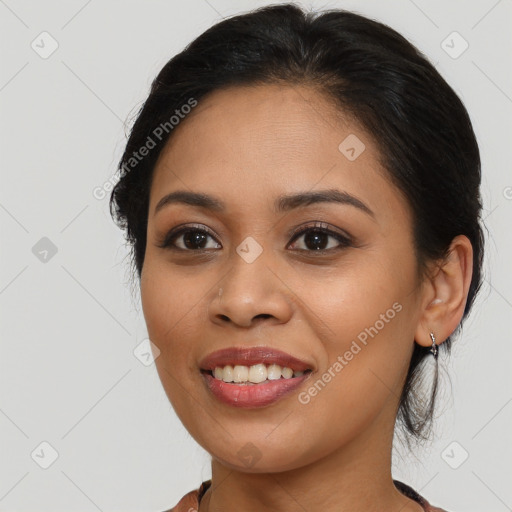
(258,462)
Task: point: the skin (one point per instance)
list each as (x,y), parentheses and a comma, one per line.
(246,146)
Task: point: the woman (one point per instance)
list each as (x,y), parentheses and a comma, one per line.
(301,192)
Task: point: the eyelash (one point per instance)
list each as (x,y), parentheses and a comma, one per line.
(317,227)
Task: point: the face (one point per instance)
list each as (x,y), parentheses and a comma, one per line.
(306,249)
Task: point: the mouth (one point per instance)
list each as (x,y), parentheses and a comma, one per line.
(253,377)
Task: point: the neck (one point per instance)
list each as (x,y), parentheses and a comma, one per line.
(357,477)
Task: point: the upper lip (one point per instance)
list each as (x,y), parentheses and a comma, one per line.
(248,356)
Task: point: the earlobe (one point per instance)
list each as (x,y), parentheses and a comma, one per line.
(447,294)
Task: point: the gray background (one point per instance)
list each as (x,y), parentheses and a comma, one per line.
(69,323)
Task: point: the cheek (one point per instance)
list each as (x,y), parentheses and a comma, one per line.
(362,313)
(159,307)
(344,301)
(171,305)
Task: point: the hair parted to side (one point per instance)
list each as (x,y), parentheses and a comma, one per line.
(421,127)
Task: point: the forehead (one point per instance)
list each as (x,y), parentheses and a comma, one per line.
(247,144)
(268,121)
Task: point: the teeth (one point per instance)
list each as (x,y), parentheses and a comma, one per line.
(227,373)
(257,373)
(240,373)
(287,373)
(273,372)
(254,374)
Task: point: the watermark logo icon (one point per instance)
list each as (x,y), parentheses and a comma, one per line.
(454,45)
(44,45)
(351,147)
(44,455)
(454,455)
(44,250)
(249,454)
(249,250)
(146,352)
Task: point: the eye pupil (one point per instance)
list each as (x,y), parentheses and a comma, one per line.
(315,238)
(194,239)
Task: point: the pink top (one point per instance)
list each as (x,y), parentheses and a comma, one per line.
(190,502)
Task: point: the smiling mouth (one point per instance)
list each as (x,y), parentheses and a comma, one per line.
(254,374)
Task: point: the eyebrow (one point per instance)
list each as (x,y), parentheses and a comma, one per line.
(283,203)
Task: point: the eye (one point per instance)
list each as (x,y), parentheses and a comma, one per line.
(315,238)
(189,238)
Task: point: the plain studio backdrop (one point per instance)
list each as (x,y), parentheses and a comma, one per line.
(84,423)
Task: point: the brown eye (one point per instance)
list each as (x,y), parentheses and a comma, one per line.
(316,238)
(189,239)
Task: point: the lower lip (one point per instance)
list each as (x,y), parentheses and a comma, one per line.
(257,395)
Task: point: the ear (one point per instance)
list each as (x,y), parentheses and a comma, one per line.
(445,293)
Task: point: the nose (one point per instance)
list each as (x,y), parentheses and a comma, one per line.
(250,293)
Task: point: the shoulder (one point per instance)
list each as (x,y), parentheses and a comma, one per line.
(430,508)
(190,502)
(414,495)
